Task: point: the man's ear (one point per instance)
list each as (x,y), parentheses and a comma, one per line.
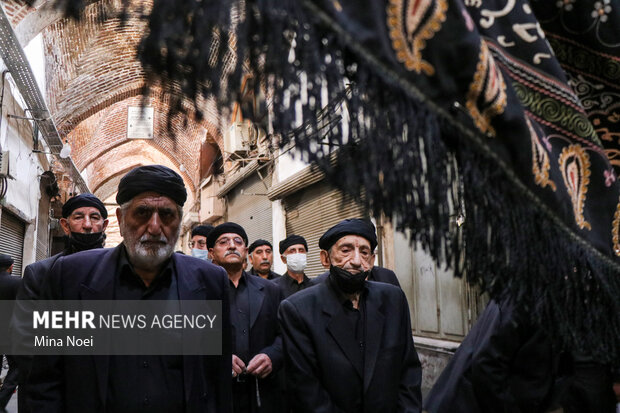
(325,261)
(283,258)
(119,217)
(65,226)
(105,225)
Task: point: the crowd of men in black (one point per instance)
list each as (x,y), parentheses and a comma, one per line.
(340,342)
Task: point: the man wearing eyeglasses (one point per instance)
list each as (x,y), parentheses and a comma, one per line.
(256,342)
(198,243)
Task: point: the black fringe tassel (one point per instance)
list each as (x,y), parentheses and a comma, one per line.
(422,165)
(418,164)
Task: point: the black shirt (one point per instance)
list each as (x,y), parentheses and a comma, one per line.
(272,275)
(240,318)
(289,286)
(145,383)
(357,321)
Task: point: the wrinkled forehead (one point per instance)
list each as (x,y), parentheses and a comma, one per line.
(85,211)
(153,199)
(353,241)
(294,247)
(229,235)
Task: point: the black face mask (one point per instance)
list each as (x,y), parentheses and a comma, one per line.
(81,242)
(348,283)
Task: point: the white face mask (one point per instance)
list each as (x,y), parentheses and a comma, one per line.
(202,254)
(296,262)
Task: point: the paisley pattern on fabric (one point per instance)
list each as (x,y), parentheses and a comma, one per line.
(487,92)
(428,79)
(408,32)
(575,167)
(615,231)
(540,160)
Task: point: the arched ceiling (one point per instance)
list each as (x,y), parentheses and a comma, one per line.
(92,77)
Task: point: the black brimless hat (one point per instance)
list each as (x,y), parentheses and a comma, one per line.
(355,226)
(152,178)
(225,228)
(83,200)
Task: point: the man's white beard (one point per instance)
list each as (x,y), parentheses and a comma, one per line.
(148,258)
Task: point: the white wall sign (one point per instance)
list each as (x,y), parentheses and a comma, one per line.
(140,122)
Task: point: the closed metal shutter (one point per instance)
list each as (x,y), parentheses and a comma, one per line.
(12,231)
(249,207)
(313,210)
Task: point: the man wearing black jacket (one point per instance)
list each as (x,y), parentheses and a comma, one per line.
(84,221)
(256,341)
(293,251)
(505,364)
(8,290)
(142,267)
(348,343)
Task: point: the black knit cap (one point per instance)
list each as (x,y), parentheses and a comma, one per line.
(6,261)
(259,243)
(151,178)
(83,200)
(203,230)
(225,228)
(292,240)
(354,226)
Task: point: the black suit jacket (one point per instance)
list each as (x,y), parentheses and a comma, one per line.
(9,285)
(265,338)
(34,274)
(30,289)
(378,274)
(319,345)
(79,383)
(505,364)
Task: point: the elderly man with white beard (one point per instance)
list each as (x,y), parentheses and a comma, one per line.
(142,267)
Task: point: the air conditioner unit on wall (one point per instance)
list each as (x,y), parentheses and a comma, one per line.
(4,164)
(240,137)
(212,208)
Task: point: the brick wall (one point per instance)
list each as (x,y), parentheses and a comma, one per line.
(92,77)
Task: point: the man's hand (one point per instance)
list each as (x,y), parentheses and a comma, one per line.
(260,366)
(238,366)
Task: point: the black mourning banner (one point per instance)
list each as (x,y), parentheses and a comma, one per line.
(489,129)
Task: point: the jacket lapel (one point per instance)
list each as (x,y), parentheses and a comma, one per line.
(340,328)
(101,287)
(256,298)
(189,289)
(374,331)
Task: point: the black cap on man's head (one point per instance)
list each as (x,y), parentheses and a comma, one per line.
(259,243)
(355,226)
(292,240)
(151,178)
(5,261)
(83,200)
(226,228)
(203,230)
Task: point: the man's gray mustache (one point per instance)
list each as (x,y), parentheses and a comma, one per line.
(146,238)
(232,252)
